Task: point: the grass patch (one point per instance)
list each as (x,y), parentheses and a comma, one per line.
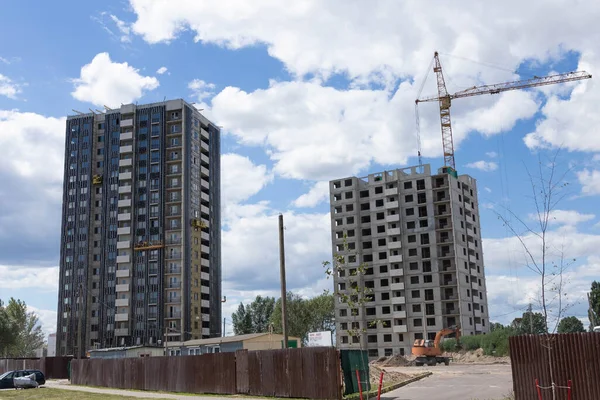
(59,394)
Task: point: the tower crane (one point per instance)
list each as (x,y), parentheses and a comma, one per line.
(445,101)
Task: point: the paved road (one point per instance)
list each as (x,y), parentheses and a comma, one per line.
(456,382)
(64,384)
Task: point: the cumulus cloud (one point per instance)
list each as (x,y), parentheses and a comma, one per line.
(9,88)
(568,217)
(200,89)
(18,277)
(47,319)
(161,70)
(590,182)
(316,195)
(103,81)
(485,166)
(241,178)
(123,27)
(491,154)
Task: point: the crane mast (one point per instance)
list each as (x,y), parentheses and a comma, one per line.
(444,100)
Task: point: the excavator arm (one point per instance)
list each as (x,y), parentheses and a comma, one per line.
(445,332)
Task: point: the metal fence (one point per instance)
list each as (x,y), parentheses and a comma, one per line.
(312,373)
(52,367)
(568,357)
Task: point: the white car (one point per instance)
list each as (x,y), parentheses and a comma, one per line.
(597,329)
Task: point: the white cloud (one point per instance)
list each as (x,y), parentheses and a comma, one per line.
(47,319)
(366,40)
(569,217)
(9,88)
(161,70)
(491,154)
(200,89)
(590,182)
(19,277)
(124,28)
(316,195)
(104,82)
(487,189)
(486,166)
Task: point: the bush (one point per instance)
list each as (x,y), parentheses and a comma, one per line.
(471,343)
(497,341)
(448,345)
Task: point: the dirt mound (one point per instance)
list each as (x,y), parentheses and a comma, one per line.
(476,357)
(389,377)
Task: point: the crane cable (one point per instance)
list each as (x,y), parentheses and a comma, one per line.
(417,118)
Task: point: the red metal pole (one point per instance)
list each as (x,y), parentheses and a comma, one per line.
(569,384)
(359,384)
(381,384)
(537,385)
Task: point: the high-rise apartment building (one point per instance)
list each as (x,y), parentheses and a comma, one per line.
(417,237)
(140,246)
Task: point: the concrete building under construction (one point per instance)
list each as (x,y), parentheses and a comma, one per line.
(417,236)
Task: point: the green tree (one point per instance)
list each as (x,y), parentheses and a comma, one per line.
(570,325)
(7,331)
(242,320)
(594,311)
(260,311)
(322,312)
(524,326)
(27,335)
(494,326)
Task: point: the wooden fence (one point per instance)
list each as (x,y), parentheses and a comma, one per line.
(568,357)
(52,367)
(312,373)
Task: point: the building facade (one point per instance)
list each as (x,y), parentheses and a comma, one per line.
(417,237)
(140,246)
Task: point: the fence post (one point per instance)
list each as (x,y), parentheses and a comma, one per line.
(359,384)
(537,386)
(380,384)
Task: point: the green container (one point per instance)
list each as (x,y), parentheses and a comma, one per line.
(353,360)
(292,344)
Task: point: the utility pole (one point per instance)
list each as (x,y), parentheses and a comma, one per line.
(79,314)
(530,310)
(283,289)
(223,327)
(166,340)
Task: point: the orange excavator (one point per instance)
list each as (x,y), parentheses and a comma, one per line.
(429,352)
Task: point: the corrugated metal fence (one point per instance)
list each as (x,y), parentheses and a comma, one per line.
(570,356)
(52,367)
(312,373)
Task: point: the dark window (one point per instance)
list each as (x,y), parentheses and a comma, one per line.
(424,238)
(380,215)
(379,190)
(427,278)
(415,294)
(412,238)
(379,203)
(365,206)
(423,223)
(413,266)
(410,225)
(408,185)
(381,229)
(414,280)
(421,184)
(364,193)
(417,322)
(381,242)
(348,182)
(408,198)
(416,308)
(410,211)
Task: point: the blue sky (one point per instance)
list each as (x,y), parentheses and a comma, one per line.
(306,93)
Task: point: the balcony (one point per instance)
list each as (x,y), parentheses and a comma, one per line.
(173,285)
(173,270)
(127,162)
(204,210)
(126,149)
(204,158)
(205,303)
(124,217)
(204,171)
(477,313)
(204,289)
(176,240)
(445,254)
(391,204)
(205,331)
(121,317)
(174,198)
(123,176)
(205,249)
(204,133)
(174,213)
(124,203)
(478,327)
(126,123)
(396,258)
(123,259)
(153,271)
(399,314)
(471,245)
(125,189)
(173,314)
(126,135)
(122,332)
(124,287)
(451,297)
(468,206)
(391,192)
(204,196)
(124,245)
(173,256)
(122,302)
(397,272)
(393,231)
(122,273)
(174,185)
(399,300)
(204,146)
(392,218)
(204,262)
(126,230)
(397,286)
(450,282)
(450,311)
(173,299)
(204,275)
(152,315)
(400,328)
(395,245)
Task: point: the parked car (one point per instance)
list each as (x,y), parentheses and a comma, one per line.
(6,379)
